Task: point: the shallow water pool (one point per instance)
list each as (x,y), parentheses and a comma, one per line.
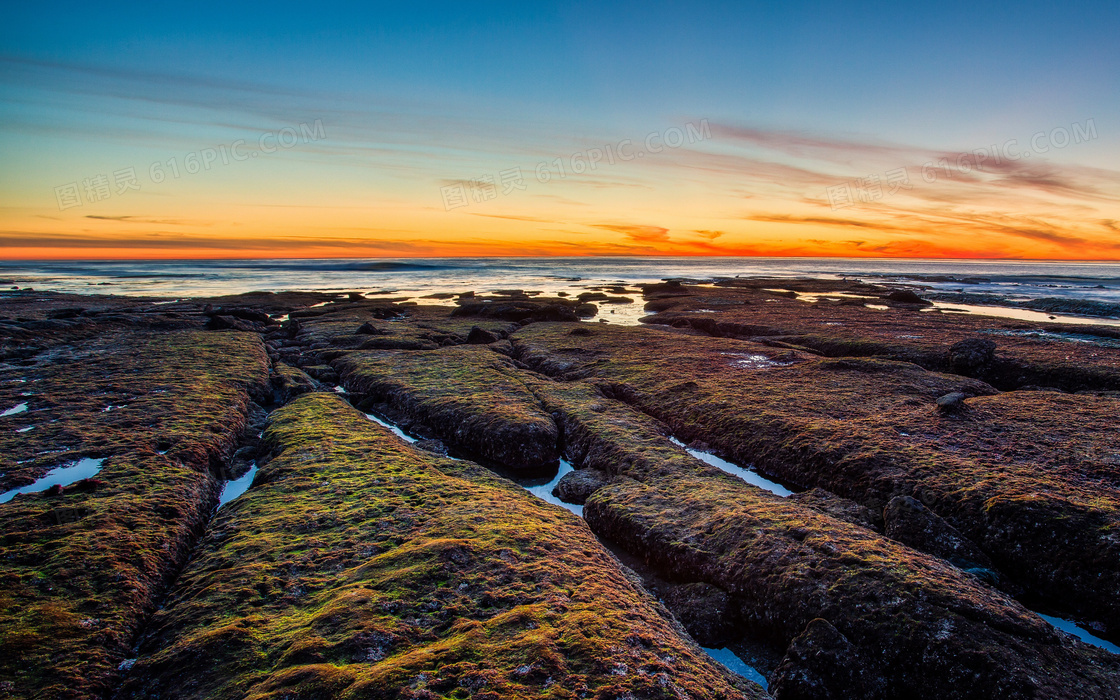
(62,476)
(747,475)
(18,408)
(733,663)
(233,489)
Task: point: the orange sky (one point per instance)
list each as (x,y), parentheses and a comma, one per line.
(223,170)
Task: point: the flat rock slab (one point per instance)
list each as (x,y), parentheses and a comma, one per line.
(358,567)
(1030,477)
(825,592)
(1008,353)
(468,396)
(82,566)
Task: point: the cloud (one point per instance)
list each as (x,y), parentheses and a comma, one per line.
(513,217)
(643,234)
(812,146)
(128,219)
(822,220)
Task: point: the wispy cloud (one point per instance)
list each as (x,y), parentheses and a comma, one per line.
(813,146)
(637,232)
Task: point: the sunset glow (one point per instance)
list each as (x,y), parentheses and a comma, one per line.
(567,132)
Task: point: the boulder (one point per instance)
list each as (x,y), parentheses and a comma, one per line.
(481,336)
(591,296)
(905,296)
(971,355)
(952,402)
(576,486)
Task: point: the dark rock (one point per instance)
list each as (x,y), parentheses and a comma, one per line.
(522,311)
(308,313)
(952,402)
(292,326)
(906,296)
(291,382)
(503,346)
(822,664)
(241,313)
(246,453)
(368,328)
(706,611)
(554,312)
(65,313)
(385,313)
(971,355)
(232,323)
(591,296)
(586,310)
(392,343)
(56,325)
(258,419)
(324,373)
(576,486)
(829,503)
(431,445)
(87,485)
(911,523)
(481,336)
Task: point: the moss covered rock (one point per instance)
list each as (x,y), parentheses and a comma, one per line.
(357,566)
(81,567)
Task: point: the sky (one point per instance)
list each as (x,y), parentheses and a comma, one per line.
(221,130)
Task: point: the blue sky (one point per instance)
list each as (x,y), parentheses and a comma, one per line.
(416,97)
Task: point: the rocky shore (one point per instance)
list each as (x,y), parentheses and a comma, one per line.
(861,495)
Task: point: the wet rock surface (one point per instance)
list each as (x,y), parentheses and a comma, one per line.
(840,508)
(1018,474)
(360,567)
(837,324)
(942,465)
(783,563)
(576,486)
(908,521)
(83,565)
(467,396)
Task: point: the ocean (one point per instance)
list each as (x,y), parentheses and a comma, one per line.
(415,278)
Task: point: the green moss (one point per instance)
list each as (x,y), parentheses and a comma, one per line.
(868,429)
(467,395)
(80,571)
(359,567)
